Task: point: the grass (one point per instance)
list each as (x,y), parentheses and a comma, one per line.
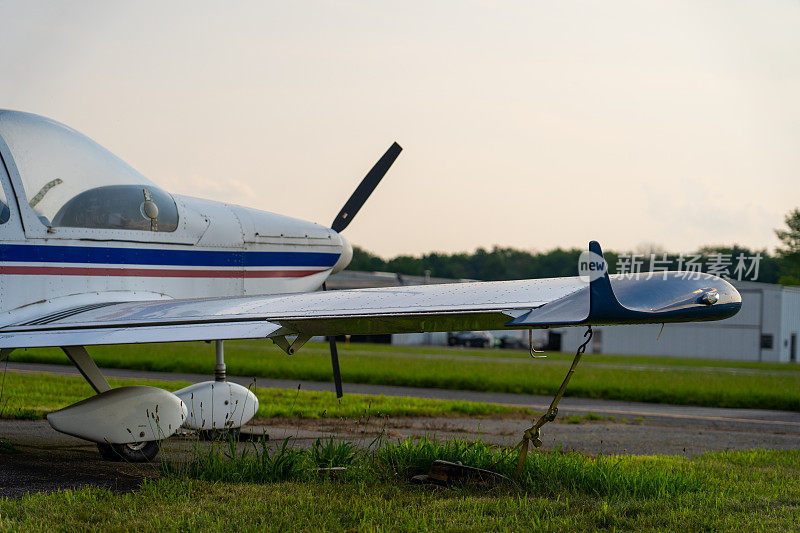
(544,473)
(32,396)
(331,453)
(262,487)
(659,380)
(591,417)
(734,491)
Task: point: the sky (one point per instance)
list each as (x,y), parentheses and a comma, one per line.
(527,124)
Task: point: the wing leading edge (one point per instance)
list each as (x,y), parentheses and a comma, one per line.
(522,304)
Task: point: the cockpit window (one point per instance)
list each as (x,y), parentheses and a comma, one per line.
(71,181)
(5,212)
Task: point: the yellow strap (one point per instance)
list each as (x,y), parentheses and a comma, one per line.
(533,432)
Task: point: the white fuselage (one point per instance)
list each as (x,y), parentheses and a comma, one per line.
(218,250)
(80,227)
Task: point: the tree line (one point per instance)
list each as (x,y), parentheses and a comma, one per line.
(501,263)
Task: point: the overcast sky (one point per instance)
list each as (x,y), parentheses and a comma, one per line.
(525,124)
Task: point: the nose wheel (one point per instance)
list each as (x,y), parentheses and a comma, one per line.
(134,452)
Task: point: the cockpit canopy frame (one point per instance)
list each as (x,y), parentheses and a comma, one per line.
(68,186)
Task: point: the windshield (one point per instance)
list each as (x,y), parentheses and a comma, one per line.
(71,181)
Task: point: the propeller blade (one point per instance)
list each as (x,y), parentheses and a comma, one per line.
(365,188)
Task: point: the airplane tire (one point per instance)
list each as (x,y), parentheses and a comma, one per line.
(137,452)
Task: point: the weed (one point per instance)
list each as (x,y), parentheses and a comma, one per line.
(258,463)
(558,472)
(410,457)
(6,446)
(589,417)
(332,453)
(544,473)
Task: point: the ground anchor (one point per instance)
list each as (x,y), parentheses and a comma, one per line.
(445,473)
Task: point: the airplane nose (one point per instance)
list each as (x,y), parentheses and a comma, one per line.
(345,257)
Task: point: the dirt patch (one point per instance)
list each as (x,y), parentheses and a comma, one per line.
(644,437)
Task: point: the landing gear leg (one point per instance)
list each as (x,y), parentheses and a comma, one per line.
(87,367)
(136,452)
(220,376)
(220,372)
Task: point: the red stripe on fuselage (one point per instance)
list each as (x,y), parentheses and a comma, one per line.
(154,273)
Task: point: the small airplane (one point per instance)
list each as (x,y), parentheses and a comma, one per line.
(94,253)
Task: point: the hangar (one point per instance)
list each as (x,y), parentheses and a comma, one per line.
(766,329)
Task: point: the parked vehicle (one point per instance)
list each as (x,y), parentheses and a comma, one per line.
(511,341)
(472,339)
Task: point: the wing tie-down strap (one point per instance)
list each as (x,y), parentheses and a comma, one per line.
(532,434)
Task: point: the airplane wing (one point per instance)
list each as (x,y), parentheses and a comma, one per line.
(524,304)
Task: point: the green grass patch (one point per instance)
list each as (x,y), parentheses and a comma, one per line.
(33,395)
(544,473)
(732,491)
(589,417)
(444,368)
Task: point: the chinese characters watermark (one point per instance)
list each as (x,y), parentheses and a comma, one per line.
(741,267)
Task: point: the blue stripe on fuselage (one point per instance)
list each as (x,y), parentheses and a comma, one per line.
(149,256)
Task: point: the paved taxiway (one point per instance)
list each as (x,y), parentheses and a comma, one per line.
(47,460)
